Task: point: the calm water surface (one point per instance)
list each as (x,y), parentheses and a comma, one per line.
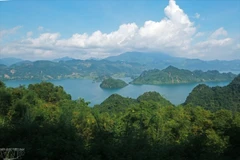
(91,92)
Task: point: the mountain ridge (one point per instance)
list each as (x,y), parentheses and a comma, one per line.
(173,75)
(161,60)
(215,98)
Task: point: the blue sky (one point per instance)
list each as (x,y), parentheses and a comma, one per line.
(83,29)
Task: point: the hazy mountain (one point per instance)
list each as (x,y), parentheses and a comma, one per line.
(63,59)
(128,64)
(143,58)
(41,70)
(10,61)
(160,61)
(92,69)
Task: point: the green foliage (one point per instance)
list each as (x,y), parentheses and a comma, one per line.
(173,75)
(5,101)
(155,98)
(215,98)
(49,125)
(48,92)
(115,104)
(45,70)
(2,85)
(111,83)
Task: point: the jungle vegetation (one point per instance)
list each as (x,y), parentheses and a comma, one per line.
(173,75)
(111,83)
(43,119)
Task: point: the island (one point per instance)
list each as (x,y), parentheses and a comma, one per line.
(111,83)
(173,75)
(116,103)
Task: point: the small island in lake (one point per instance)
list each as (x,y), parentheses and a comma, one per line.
(173,75)
(111,83)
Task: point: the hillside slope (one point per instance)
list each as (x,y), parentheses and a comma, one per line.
(215,98)
(173,75)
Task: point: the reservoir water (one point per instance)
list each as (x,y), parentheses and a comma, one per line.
(91,91)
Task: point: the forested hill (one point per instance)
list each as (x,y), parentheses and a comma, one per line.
(116,103)
(129,64)
(173,75)
(45,70)
(215,98)
(44,121)
(111,83)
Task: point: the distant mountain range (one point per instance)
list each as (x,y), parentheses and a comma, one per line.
(10,61)
(161,61)
(63,59)
(91,69)
(127,64)
(155,60)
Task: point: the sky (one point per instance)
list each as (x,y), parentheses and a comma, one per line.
(49,29)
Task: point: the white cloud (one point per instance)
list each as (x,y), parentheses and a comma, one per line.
(199,34)
(238,46)
(175,30)
(197,15)
(45,39)
(7,32)
(219,32)
(175,34)
(29,34)
(40,28)
(213,49)
(215,43)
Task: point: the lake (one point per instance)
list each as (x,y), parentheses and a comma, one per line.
(91,91)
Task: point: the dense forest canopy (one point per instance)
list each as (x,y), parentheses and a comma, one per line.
(215,98)
(111,83)
(173,75)
(42,119)
(47,70)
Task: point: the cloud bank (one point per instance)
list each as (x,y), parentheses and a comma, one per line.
(175,35)
(7,32)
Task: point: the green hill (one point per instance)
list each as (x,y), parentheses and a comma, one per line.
(154,97)
(111,83)
(173,75)
(215,98)
(45,70)
(43,120)
(92,69)
(116,103)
